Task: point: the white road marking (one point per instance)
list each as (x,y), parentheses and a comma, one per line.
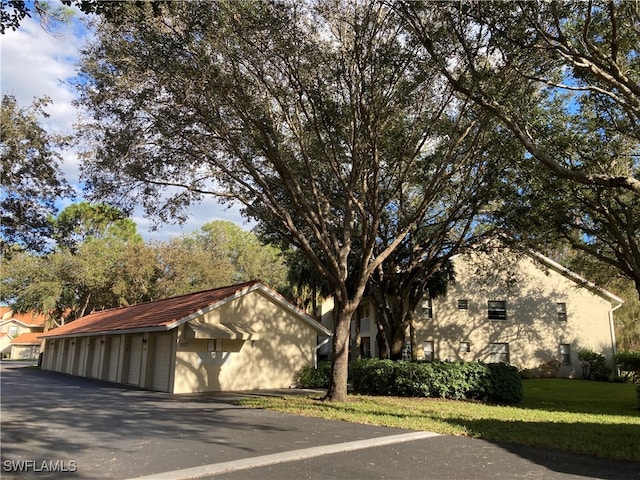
(282,457)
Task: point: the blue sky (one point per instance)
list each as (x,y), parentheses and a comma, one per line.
(35,63)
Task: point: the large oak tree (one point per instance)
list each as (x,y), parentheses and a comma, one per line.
(563,78)
(315,116)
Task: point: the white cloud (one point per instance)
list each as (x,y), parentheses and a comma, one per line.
(35,63)
(207,211)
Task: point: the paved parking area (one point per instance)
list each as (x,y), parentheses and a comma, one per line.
(58,426)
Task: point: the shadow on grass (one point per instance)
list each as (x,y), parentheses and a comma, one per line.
(616,441)
(580,396)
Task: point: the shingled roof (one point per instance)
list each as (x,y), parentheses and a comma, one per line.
(30,338)
(166,314)
(28,319)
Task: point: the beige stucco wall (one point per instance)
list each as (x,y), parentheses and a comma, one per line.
(6,327)
(532,328)
(285,345)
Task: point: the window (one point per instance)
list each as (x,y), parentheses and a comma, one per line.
(427,348)
(463,304)
(427,309)
(365,324)
(13,330)
(465,347)
(499,353)
(565,354)
(562,311)
(497,310)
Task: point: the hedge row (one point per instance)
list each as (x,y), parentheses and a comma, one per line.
(629,365)
(495,382)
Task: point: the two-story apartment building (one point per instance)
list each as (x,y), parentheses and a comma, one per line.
(524,309)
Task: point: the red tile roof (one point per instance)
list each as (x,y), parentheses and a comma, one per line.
(163,314)
(27,339)
(28,319)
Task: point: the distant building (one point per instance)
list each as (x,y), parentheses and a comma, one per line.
(19,334)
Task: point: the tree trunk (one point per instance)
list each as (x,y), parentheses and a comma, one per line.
(414,341)
(314,301)
(397,343)
(337,391)
(356,354)
(383,344)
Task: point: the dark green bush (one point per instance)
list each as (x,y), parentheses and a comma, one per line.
(506,383)
(373,376)
(629,365)
(457,380)
(549,369)
(594,365)
(310,377)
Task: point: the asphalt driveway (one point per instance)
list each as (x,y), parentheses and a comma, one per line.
(59,426)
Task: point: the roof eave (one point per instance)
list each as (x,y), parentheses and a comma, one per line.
(163,328)
(577,278)
(240,293)
(292,309)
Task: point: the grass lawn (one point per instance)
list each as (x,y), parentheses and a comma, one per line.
(594,418)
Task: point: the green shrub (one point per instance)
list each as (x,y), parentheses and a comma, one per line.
(310,377)
(456,380)
(526,374)
(594,365)
(549,369)
(629,365)
(506,383)
(373,376)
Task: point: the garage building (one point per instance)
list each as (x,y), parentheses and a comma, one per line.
(240,337)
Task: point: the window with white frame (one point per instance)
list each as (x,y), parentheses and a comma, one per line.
(465,347)
(561,308)
(497,310)
(499,353)
(427,348)
(463,304)
(427,308)
(13,330)
(565,354)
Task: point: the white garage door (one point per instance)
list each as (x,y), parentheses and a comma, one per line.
(81,352)
(114,357)
(162,363)
(95,345)
(135,360)
(68,356)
